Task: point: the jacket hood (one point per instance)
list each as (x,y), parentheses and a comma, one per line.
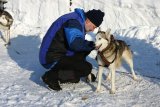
(81,13)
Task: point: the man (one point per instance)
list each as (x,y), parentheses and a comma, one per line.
(64,48)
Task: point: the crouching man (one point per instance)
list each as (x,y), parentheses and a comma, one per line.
(64,49)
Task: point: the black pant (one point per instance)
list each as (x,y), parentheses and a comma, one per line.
(71,67)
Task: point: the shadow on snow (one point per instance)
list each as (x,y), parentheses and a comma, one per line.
(24,50)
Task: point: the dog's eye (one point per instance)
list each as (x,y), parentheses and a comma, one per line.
(99,38)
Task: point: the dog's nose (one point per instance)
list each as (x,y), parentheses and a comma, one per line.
(98,46)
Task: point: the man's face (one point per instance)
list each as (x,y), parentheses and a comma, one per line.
(89,26)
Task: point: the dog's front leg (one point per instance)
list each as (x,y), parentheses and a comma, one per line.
(112,91)
(100,71)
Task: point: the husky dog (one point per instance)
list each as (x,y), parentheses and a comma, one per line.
(6,21)
(110,53)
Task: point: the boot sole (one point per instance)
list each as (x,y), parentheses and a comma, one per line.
(47,86)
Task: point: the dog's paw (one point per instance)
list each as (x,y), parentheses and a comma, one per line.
(135,78)
(97,90)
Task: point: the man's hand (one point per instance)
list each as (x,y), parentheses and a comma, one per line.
(91,44)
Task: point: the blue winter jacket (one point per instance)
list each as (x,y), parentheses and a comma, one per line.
(64,37)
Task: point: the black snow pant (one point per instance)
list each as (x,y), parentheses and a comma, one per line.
(70,68)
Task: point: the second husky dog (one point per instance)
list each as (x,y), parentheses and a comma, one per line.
(110,53)
(6,21)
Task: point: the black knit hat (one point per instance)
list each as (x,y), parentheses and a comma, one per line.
(95,16)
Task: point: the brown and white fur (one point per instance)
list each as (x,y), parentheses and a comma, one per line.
(6,21)
(116,50)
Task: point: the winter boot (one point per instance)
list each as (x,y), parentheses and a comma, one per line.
(68,76)
(70,81)
(52,84)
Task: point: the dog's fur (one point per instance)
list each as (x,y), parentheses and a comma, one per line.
(116,50)
(6,21)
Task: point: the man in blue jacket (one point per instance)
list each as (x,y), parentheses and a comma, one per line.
(64,48)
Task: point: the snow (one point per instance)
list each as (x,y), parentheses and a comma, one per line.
(134,21)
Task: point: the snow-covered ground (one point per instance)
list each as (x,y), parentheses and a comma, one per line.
(135,21)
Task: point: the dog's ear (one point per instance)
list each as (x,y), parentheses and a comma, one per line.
(99,29)
(107,33)
(112,38)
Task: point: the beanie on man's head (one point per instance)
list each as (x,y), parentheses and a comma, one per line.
(95,16)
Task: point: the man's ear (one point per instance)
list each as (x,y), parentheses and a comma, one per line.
(87,20)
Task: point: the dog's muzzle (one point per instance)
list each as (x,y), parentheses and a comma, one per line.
(97,47)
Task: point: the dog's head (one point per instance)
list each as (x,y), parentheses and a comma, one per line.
(103,39)
(6,19)
(3,20)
